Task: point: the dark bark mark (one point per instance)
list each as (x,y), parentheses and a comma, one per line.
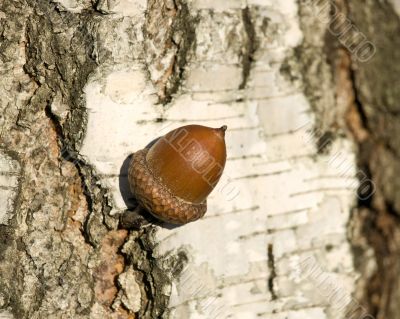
(357,102)
(134,219)
(324,142)
(271,267)
(250,46)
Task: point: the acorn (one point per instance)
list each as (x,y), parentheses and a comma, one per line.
(173,177)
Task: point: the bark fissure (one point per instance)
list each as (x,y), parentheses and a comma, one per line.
(272,276)
(250,46)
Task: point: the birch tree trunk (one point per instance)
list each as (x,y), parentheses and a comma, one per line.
(305,220)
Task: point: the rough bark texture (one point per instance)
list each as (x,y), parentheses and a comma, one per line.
(377,95)
(83,84)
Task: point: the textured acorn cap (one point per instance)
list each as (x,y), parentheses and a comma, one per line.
(173,178)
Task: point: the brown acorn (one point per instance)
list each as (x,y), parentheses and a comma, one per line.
(173,177)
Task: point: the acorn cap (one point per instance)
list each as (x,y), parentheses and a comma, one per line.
(173,178)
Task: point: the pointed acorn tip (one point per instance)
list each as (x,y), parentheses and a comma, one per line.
(221,130)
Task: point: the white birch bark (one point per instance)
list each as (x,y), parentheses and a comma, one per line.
(279,201)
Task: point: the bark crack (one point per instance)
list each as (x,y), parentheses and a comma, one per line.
(250,46)
(271,267)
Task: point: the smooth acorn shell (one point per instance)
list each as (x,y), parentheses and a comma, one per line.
(189,161)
